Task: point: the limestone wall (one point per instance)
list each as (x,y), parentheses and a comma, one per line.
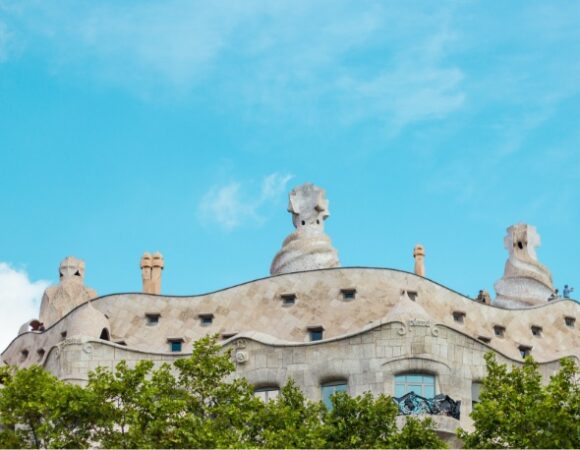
(257,307)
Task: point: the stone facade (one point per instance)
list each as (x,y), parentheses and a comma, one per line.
(374,324)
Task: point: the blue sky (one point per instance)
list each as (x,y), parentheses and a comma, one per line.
(180,126)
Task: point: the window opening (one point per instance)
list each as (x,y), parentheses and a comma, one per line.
(537,331)
(40,353)
(412,295)
(316,333)
(348,294)
(152,318)
(23,355)
(476,387)
(499,330)
(63,335)
(458,316)
(267,393)
(570,321)
(175,345)
(105,335)
(206,319)
(420,383)
(328,389)
(525,350)
(288,299)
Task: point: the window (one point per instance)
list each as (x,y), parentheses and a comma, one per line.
(537,331)
(40,353)
(569,321)
(420,383)
(105,335)
(152,318)
(316,333)
(525,350)
(288,299)
(348,294)
(499,331)
(63,335)
(267,393)
(23,355)
(175,345)
(412,295)
(475,392)
(328,389)
(205,319)
(458,316)
(484,339)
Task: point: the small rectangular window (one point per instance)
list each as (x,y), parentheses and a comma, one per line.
(288,299)
(412,295)
(152,318)
(175,345)
(484,339)
(348,294)
(63,335)
(458,316)
(499,331)
(205,319)
(570,321)
(316,333)
(525,350)
(537,331)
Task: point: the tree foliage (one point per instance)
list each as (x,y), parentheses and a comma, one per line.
(197,402)
(517,411)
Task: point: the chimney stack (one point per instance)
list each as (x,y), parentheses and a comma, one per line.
(151,268)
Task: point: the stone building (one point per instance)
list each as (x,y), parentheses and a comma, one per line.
(330,328)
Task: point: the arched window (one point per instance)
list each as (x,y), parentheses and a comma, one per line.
(267,393)
(421,384)
(105,335)
(328,389)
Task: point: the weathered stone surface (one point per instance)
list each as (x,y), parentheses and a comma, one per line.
(525,282)
(69,293)
(308,247)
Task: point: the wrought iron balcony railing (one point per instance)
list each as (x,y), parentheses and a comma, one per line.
(441,404)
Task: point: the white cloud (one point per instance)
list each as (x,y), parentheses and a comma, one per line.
(284,57)
(235,204)
(19,301)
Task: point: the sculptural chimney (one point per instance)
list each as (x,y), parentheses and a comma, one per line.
(151,268)
(525,281)
(308,247)
(419,255)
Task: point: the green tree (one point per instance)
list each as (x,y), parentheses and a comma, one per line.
(517,410)
(290,421)
(370,422)
(39,411)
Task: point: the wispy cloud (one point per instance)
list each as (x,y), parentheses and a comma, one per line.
(280,56)
(19,301)
(236,204)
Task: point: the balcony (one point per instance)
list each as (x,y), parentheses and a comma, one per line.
(441,405)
